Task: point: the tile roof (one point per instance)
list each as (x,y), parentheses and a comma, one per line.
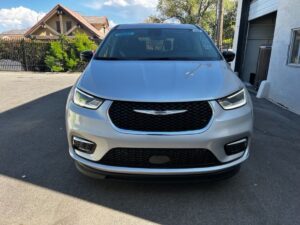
(96,19)
(15,32)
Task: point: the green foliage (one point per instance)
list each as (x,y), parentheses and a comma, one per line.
(82,42)
(230,8)
(56,56)
(64,55)
(200,12)
(187,11)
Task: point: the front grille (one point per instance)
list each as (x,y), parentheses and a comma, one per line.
(196,117)
(141,158)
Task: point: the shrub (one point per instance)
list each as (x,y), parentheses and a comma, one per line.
(82,42)
(56,57)
(64,55)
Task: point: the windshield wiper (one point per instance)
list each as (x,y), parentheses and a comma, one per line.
(150,58)
(168,58)
(109,58)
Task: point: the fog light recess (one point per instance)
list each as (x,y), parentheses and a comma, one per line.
(236,146)
(83,145)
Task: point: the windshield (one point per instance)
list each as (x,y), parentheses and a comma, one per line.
(157,44)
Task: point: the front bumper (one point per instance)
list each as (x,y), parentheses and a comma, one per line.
(215,176)
(95,125)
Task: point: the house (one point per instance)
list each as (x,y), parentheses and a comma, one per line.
(267,46)
(13,34)
(61,20)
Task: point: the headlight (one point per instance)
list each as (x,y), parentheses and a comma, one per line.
(85,100)
(233,101)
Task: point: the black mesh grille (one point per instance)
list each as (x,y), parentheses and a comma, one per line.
(178,158)
(196,117)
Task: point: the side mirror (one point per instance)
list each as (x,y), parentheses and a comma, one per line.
(86,55)
(228,55)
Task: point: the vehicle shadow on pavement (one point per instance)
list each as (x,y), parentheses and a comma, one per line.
(33,143)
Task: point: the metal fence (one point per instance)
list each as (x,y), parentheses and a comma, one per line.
(23,55)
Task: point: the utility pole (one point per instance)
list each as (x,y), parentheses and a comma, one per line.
(220,23)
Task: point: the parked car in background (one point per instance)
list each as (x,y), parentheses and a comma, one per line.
(158,100)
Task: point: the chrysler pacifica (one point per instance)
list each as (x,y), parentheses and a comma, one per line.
(158,100)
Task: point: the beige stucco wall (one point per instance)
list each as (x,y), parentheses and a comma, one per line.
(43,32)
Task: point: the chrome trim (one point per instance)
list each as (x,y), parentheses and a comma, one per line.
(81,140)
(237,142)
(134,132)
(160,112)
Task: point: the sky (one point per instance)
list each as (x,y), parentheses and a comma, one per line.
(21,14)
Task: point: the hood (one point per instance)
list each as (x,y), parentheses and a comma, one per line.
(159,81)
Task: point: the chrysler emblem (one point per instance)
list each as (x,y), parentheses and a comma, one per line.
(160,112)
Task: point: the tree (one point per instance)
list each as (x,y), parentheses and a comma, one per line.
(64,54)
(220,23)
(230,10)
(200,12)
(153,19)
(186,11)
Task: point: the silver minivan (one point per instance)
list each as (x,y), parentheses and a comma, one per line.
(158,101)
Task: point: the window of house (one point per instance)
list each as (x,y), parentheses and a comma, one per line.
(295,47)
(58,26)
(68,25)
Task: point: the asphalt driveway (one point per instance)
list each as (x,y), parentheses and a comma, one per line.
(40,185)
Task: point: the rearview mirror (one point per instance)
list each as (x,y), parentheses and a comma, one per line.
(228,55)
(86,55)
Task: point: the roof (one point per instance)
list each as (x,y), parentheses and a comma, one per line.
(72,13)
(14,32)
(156,25)
(83,21)
(96,19)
